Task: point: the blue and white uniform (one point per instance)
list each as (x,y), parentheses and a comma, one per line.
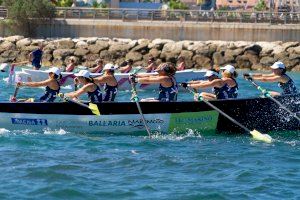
(232,92)
(110,92)
(289,87)
(221,93)
(168,93)
(50,94)
(96,95)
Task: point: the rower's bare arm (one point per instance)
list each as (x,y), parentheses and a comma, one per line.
(205,84)
(77,93)
(273,78)
(38,84)
(149,80)
(101,79)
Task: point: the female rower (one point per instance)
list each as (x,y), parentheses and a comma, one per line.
(219,86)
(151,65)
(228,76)
(181,66)
(89,87)
(71,66)
(98,68)
(168,89)
(52,85)
(126,67)
(109,81)
(278,75)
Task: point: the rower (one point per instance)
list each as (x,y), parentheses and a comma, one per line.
(229,75)
(89,87)
(126,66)
(278,75)
(98,68)
(168,88)
(151,65)
(181,66)
(109,81)
(71,66)
(52,85)
(219,86)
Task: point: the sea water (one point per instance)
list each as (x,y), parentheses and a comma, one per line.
(64,165)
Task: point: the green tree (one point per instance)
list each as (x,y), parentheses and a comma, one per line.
(1,1)
(64,3)
(25,14)
(177,4)
(260,6)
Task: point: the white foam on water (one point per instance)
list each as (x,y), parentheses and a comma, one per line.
(55,132)
(175,135)
(4,131)
(134,152)
(67,87)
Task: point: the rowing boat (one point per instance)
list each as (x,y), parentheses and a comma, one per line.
(164,117)
(26,75)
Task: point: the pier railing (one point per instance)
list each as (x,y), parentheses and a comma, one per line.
(175,15)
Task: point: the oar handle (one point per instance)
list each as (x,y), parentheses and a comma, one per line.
(263,90)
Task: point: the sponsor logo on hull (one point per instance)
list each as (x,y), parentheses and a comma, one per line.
(29,122)
(119,123)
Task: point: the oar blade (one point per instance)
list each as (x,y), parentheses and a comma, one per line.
(94,109)
(261,137)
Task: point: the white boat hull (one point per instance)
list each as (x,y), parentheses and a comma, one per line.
(111,124)
(28,75)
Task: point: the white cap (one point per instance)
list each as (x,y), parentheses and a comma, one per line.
(278,65)
(229,68)
(54,70)
(109,66)
(210,73)
(83,73)
(4,67)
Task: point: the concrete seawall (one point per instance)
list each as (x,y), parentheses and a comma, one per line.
(169,30)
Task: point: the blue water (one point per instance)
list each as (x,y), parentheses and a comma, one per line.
(62,165)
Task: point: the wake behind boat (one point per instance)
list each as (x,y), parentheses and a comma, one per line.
(28,75)
(164,117)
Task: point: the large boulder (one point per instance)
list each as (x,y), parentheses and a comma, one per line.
(281,55)
(47,60)
(141,47)
(296,68)
(218,58)
(57,62)
(290,44)
(158,43)
(171,50)
(81,52)
(14,38)
(187,55)
(94,48)
(91,57)
(24,42)
(10,54)
(267,61)
(62,53)
(290,63)
(202,61)
(135,56)
(267,48)
(155,53)
(233,53)
(253,58)
(117,47)
(296,50)
(254,48)
(103,45)
(243,62)
(294,56)
(65,43)
(6,45)
(81,45)
(23,56)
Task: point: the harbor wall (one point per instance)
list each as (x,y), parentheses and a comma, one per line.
(197,54)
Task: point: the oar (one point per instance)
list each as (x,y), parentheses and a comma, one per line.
(136,99)
(91,106)
(255,134)
(14,97)
(267,94)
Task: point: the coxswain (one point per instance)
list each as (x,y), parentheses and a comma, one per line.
(285,82)
(51,84)
(89,86)
(109,81)
(168,88)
